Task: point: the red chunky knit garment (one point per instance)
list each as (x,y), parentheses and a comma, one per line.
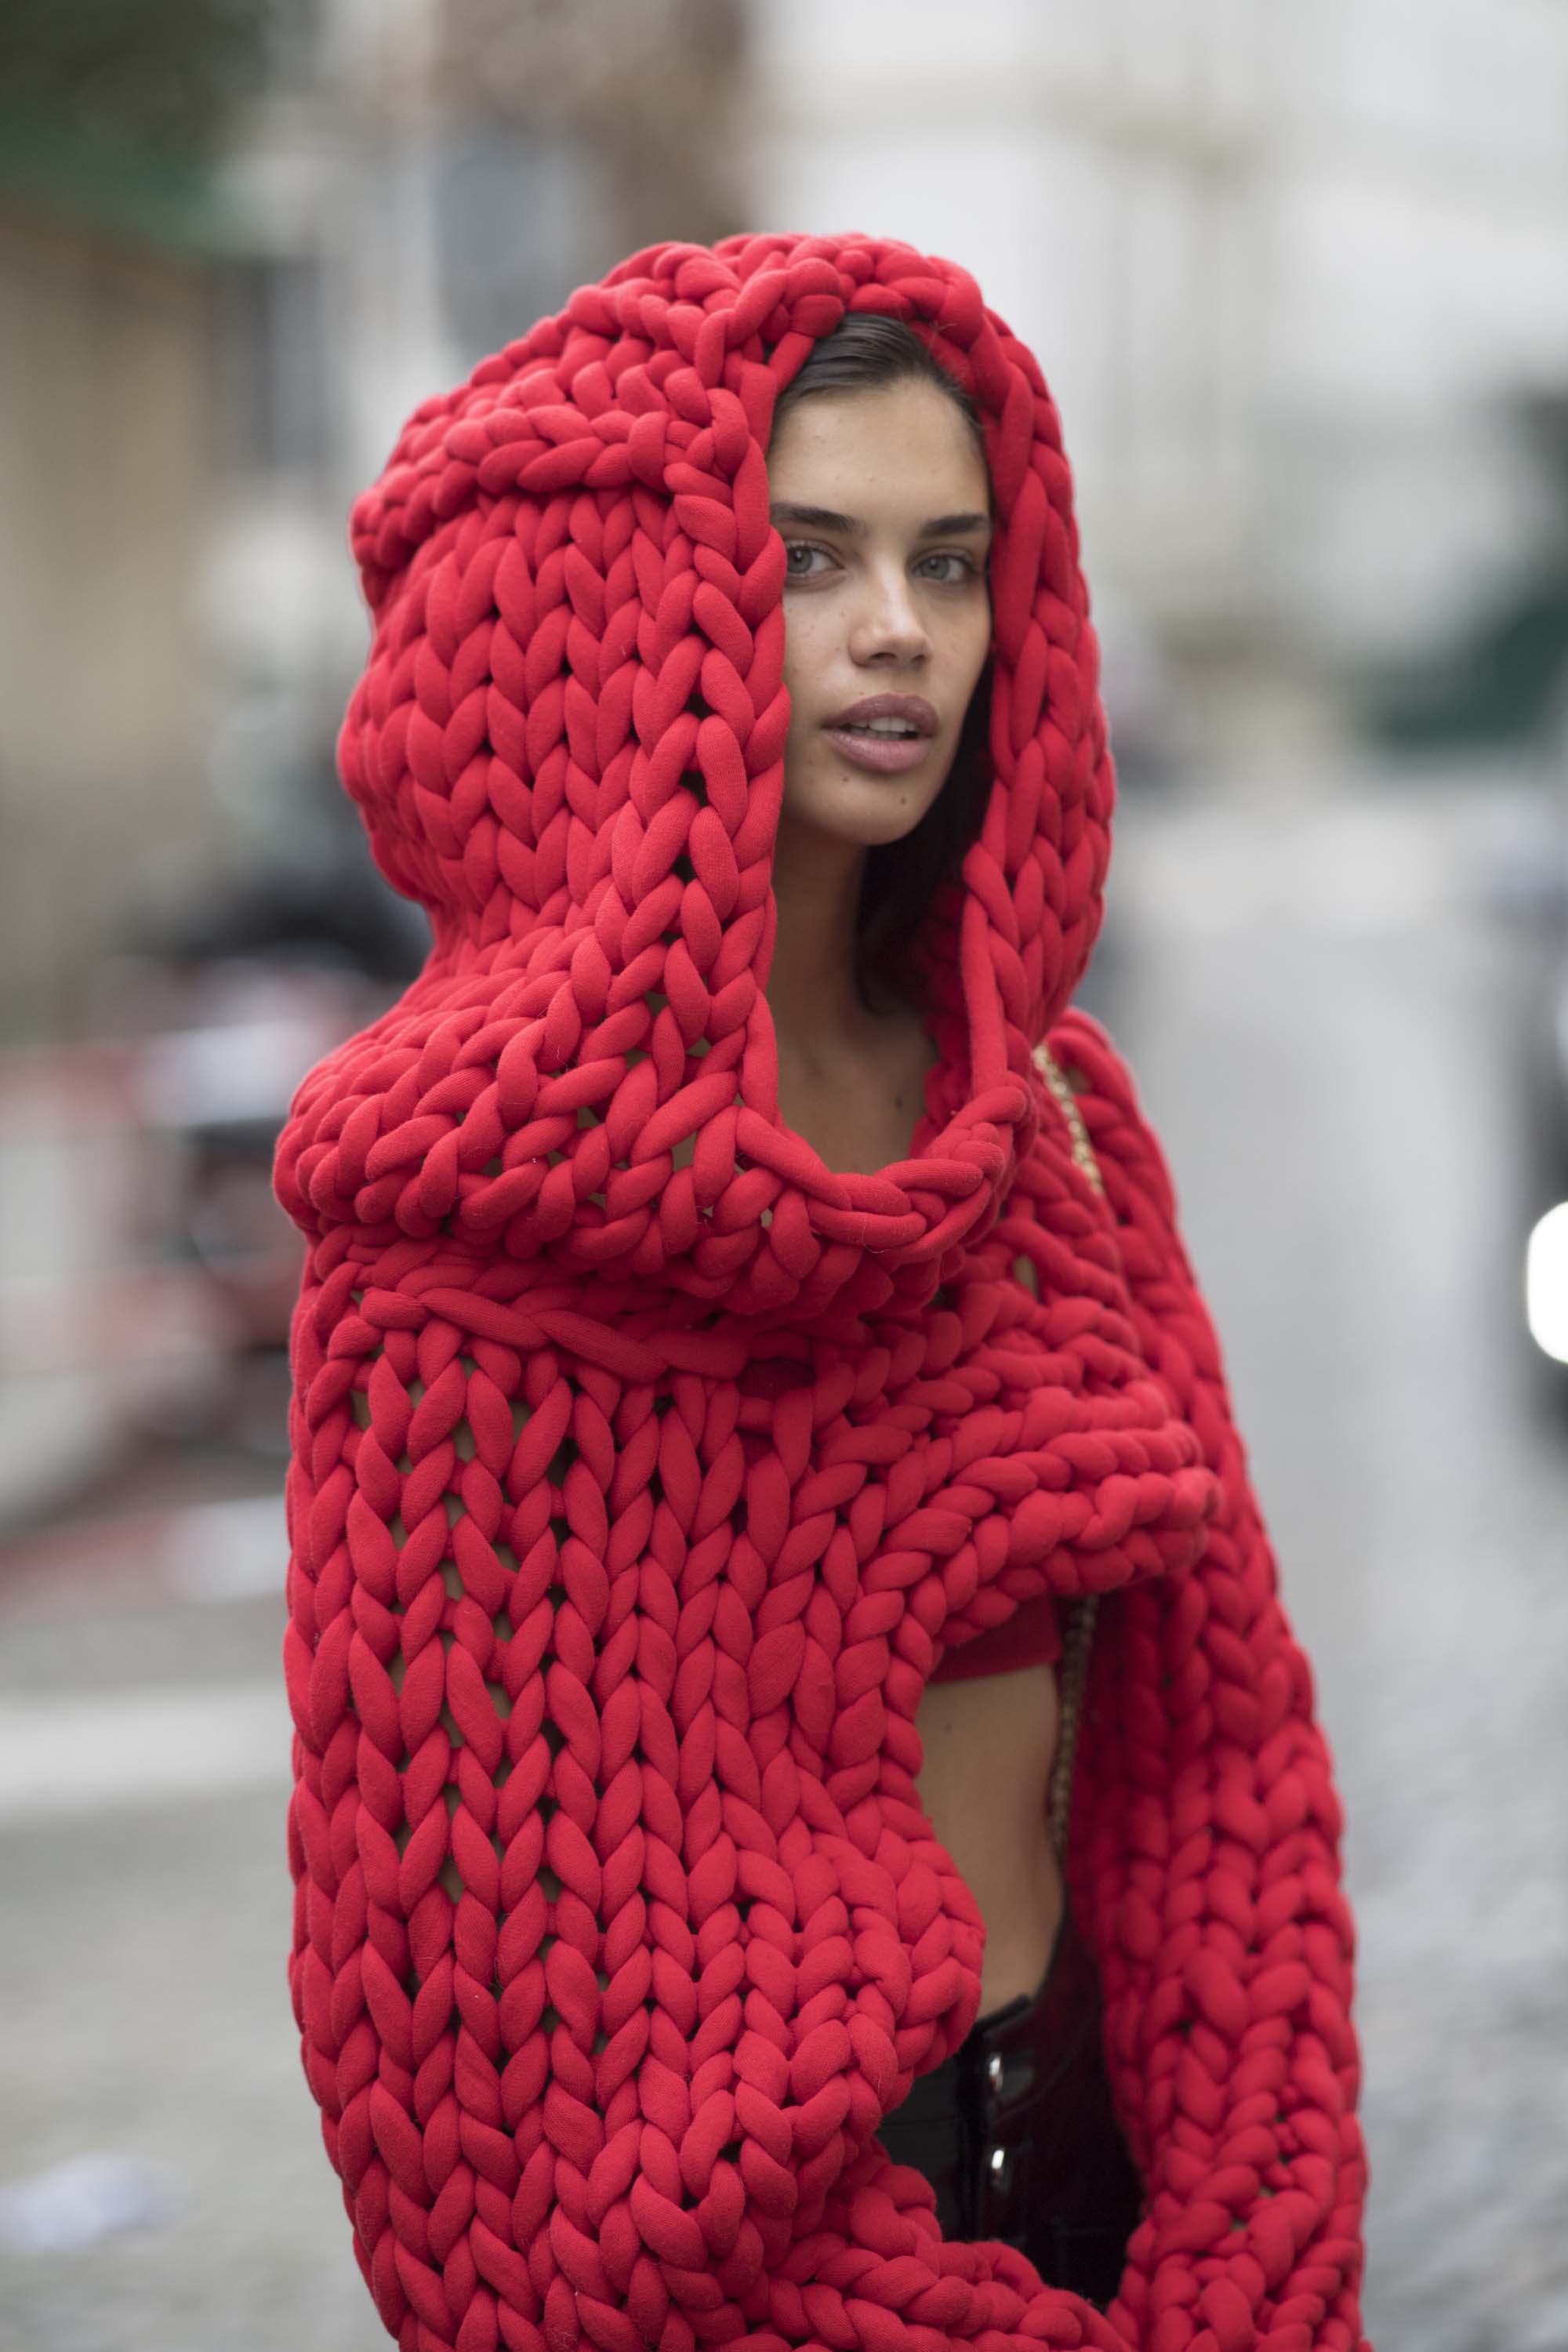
(631,1504)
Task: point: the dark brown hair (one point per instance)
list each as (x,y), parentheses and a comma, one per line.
(866,351)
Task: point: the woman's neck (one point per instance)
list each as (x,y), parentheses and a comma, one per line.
(819,1018)
(851,1081)
(817,998)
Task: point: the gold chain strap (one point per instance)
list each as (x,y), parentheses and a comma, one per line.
(1079,1635)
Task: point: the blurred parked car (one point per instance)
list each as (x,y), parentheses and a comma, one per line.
(147,1273)
(1544,1052)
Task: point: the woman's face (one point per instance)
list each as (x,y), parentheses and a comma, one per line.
(883,502)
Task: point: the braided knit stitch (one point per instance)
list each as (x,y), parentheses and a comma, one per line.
(643,1467)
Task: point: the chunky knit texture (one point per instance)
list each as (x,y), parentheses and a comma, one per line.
(643,1467)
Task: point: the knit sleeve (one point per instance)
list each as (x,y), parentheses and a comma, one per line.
(570,1955)
(573,1950)
(1205,1859)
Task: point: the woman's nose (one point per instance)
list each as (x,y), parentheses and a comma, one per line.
(888,623)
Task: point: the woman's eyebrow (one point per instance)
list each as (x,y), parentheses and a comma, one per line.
(828,518)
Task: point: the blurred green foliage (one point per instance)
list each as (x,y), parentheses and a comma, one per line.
(157,79)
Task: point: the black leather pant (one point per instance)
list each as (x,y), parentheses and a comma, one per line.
(1017,2134)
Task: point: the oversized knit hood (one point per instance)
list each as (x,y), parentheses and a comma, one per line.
(644,1469)
(568,744)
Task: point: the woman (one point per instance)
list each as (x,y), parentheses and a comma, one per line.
(738,1285)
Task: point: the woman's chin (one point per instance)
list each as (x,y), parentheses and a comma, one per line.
(863,812)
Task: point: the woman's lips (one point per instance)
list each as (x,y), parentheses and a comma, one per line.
(881,755)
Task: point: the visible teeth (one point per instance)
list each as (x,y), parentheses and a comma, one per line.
(881,727)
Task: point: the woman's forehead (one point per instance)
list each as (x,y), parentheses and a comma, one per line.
(890,448)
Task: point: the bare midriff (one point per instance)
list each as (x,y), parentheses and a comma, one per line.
(988,1747)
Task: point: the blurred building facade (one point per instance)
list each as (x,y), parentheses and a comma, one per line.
(1284,269)
(106,407)
(212,348)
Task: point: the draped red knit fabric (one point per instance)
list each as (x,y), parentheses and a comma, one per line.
(643,1467)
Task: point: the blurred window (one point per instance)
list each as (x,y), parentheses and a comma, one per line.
(275,362)
(521,219)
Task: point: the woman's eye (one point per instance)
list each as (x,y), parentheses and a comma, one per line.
(798,553)
(967,570)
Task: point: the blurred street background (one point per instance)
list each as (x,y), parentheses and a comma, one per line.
(1296,278)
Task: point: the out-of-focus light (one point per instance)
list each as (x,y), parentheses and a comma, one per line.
(1546,1284)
